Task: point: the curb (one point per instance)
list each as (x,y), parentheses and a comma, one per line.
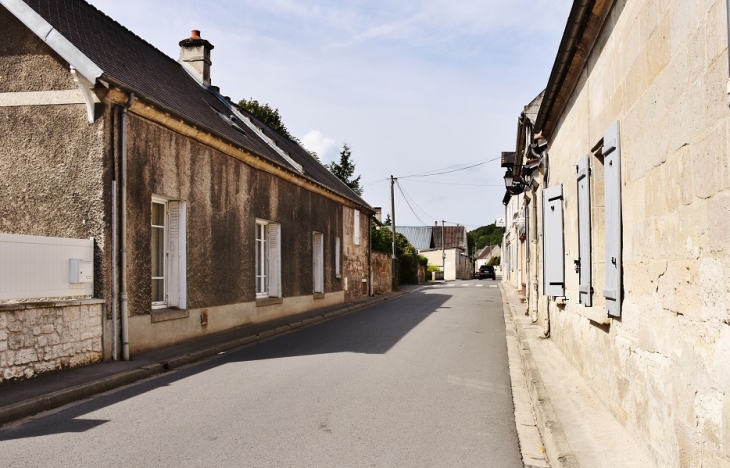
(556,443)
(59,398)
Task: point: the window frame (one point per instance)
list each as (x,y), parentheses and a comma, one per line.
(261,256)
(165,242)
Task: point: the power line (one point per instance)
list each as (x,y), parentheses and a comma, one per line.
(456,183)
(416,204)
(408,203)
(451,168)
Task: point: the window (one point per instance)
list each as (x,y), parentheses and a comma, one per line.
(356,226)
(268,259)
(338,270)
(318,262)
(168,254)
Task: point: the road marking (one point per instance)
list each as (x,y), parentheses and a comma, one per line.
(492,285)
(480,285)
(450,284)
(465,285)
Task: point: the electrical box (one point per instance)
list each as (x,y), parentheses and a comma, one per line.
(81,271)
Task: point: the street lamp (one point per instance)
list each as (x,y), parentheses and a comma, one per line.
(508,178)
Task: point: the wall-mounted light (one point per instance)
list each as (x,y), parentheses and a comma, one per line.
(508,178)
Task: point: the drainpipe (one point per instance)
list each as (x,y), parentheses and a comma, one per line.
(536,250)
(728,42)
(123,246)
(370,257)
(115,256)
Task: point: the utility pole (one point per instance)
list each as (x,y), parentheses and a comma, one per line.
(443,247)
(394,260)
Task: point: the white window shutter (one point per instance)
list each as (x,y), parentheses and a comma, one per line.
(612,185)
(318,263)
(274,234)
(553,247)
(337,257)
(585,289)
(173,255)
(356,226)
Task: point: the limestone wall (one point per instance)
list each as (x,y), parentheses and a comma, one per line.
(660,69)
(48,336)
(382,272)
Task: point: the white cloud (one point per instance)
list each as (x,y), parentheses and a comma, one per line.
(326,148)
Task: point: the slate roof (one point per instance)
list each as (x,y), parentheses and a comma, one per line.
(454,236)
(420,237)
(133,64)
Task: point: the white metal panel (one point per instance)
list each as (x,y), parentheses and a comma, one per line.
(612,184)
(553,245)
(585,288)
(177,253)
(274,259)
(33,267)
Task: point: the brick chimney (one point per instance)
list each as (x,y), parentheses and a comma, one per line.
(195,56)
(378,214)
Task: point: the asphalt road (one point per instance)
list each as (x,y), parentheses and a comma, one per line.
(417,381)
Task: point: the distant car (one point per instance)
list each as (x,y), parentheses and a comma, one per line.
(487,271)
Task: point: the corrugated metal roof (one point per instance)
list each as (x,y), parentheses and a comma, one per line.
(420,237)
(454,236)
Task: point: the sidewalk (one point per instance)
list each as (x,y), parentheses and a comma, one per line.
(576,429)
(22,399)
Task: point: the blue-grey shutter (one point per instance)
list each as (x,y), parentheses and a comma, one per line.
(585,291)
(553,252)
(612,183)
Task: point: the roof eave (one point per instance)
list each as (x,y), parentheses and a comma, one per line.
(583,27)
(48,34)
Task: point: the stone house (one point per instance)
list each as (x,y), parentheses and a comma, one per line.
(203,218)
(625,170)
(449,251)
(485,255)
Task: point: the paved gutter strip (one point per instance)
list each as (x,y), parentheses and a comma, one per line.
(59,398)
(556,444)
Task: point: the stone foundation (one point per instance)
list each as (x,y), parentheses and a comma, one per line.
(48,336)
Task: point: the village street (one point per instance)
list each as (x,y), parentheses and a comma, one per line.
(421,380)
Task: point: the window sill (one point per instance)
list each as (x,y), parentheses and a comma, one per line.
(595,314)
(163,315)
(318,295)
(267,301)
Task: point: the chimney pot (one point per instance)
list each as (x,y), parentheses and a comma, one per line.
(195,56)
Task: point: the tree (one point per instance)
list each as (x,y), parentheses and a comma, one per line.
(345,169)
(272,118)
(486,235)
(387,221)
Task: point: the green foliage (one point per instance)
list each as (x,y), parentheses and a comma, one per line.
(387,221)
(495,261)
(484,236)
(408,258)
(345,170)
(272,119)
(432,268)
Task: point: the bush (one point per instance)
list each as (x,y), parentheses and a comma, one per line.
(495,261)
(432,268)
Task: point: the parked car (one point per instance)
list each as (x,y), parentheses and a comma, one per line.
(487,271)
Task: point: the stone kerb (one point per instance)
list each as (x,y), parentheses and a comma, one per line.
(48,336)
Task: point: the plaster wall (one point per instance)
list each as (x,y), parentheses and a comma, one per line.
(455,265)
(149,336)
(663,368)
(354,281)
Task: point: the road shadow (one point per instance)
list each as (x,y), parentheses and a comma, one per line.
(373,330)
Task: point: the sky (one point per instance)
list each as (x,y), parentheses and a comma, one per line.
(413,87)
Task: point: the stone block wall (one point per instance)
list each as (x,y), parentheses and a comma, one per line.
(382,272)
(48,336)
(660,69)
